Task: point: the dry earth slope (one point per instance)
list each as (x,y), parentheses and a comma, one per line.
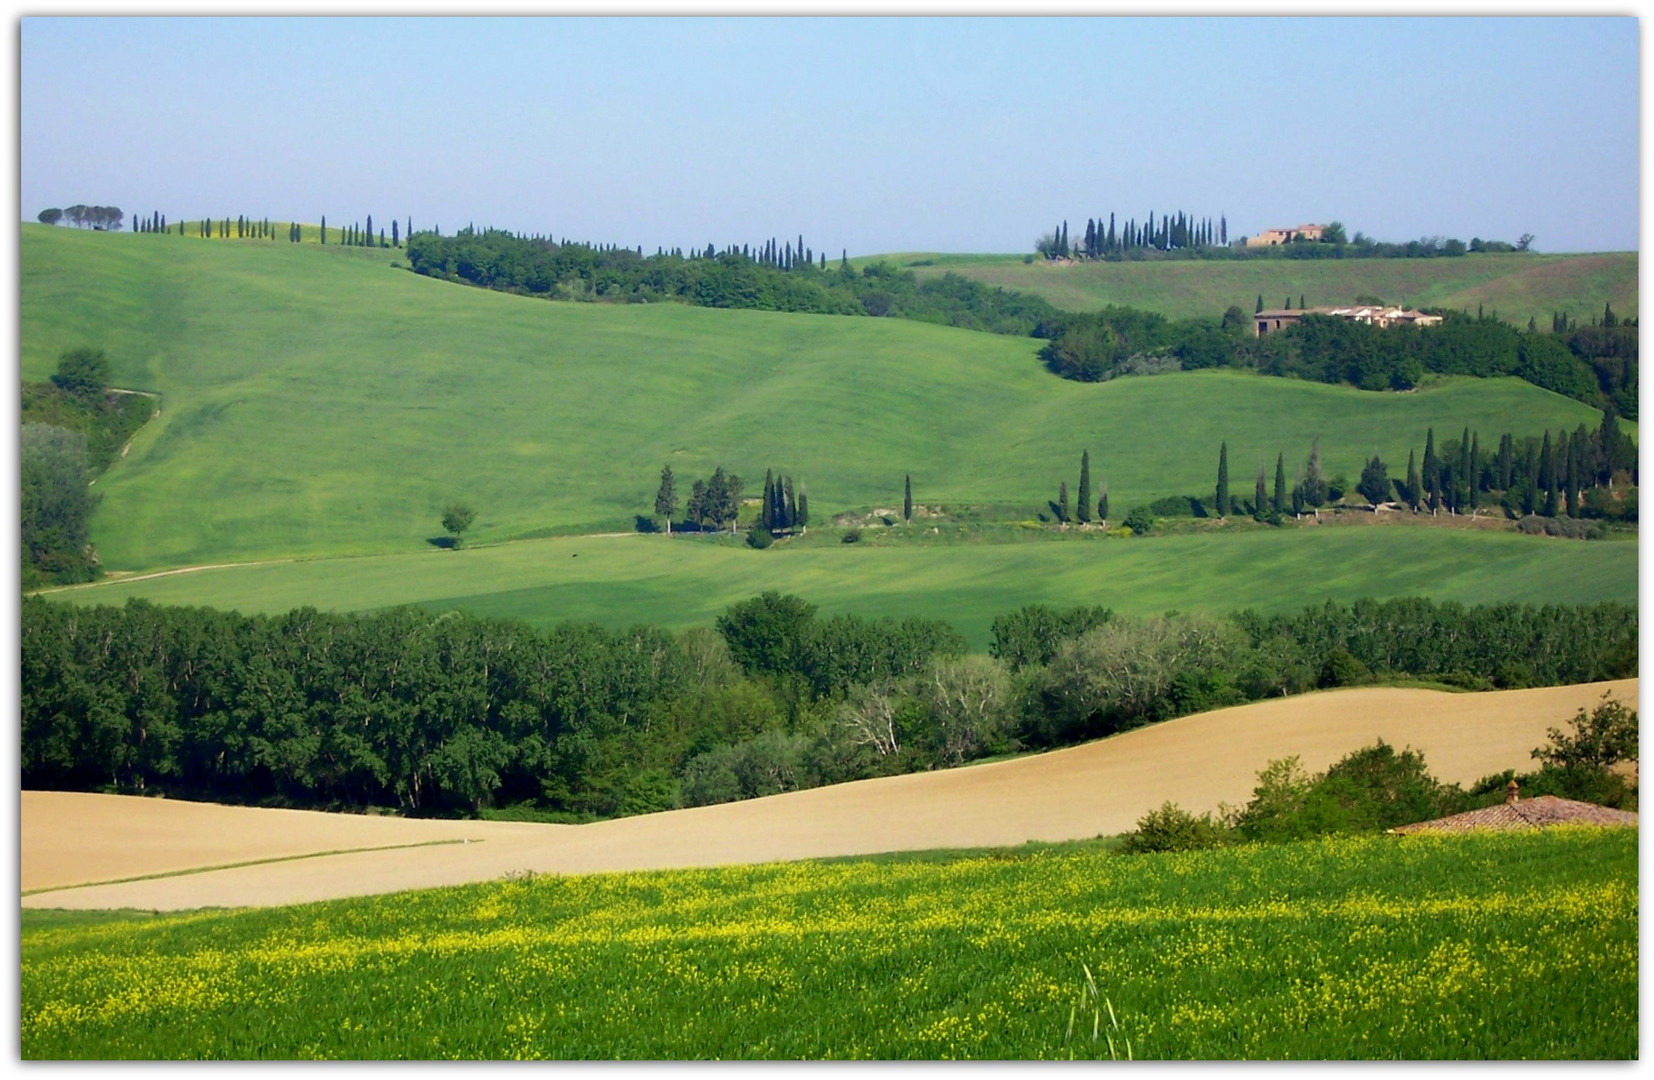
(71,840)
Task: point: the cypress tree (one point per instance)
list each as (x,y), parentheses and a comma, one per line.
(396,239)
(1475,472)
(766,508)
(1260,304)
(1547,476)
(1412,491)
(666,498)
(370,230)
(1279,501)
(791,507)
(1506,462)
(1223,480)
(1431,466)
(1463,481)
(1300,301)
(1102,504)
(907,498)
(324,228)
(803,518)
(1062,502)
(1260,491)
(1082,503)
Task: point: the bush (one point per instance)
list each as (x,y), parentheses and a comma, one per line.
(1369,790)
(1172,828)
(759,538)
(82,371)
(1343,669)
(1139,520)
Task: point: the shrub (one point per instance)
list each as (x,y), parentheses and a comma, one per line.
(82,371)
(759,538)
(1172,828)
(1139,520)
(1343,669)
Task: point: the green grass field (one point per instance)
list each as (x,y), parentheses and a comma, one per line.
(1479,946)
(1516,286)
(620,581)
(319,402)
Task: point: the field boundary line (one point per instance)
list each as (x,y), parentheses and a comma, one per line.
(249,862)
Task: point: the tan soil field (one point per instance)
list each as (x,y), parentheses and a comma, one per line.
(71,841)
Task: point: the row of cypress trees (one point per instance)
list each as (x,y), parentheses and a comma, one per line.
(1171,231)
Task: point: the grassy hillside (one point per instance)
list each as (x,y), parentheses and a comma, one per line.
(1516,286)
(621,581)
(1483,946)
(318,401)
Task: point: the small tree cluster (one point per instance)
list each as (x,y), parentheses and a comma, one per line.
(782,508)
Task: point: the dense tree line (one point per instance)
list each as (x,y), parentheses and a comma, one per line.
(766,277)
(448,713)
(1180,231)
(1597,365)
(1183,235)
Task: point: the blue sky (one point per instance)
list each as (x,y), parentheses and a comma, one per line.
(866,134)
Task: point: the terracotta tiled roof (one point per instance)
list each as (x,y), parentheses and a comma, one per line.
(1535,813)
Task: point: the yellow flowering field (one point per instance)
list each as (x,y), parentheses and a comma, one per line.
(1470,946)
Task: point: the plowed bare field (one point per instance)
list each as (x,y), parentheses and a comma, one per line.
(76,847)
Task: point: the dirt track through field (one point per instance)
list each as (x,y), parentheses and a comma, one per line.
(1100,788)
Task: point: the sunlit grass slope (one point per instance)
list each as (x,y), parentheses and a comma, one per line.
(1479,946)
(318,401)
(1516,286)
(683,582)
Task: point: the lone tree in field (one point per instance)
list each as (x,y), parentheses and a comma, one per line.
(666,499)
(907,498)
(1082,500)
(1223,480)
(50,216)
(83,371)
(456,518)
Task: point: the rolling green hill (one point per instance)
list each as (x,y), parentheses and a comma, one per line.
(321,402)
(1516,286)
(625,580)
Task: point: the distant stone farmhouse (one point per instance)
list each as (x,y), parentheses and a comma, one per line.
(1267,322)
(1275,237)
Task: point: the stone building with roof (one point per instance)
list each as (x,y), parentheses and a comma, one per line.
(1518,813)
(1269,321)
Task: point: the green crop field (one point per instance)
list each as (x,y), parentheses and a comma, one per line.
(321,402)
(1473,946)
(1518,287)
(687,581)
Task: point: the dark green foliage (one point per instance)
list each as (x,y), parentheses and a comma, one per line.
(457,518)
(50,216)
(666,496)
(56,505)
(1260,494)
(1139,520)
(907,498)
(106,420)
(1370,790)
(1031,636)
(1375,481)
(1603,737)
(1223,481)
(731,279)
(760,538)
(439,713)
(1102,505)
(1062,502)
(1172,828)
(1279,501)
(83,371)
(1082,497)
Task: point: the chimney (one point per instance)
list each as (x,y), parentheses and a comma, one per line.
(1510,793)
